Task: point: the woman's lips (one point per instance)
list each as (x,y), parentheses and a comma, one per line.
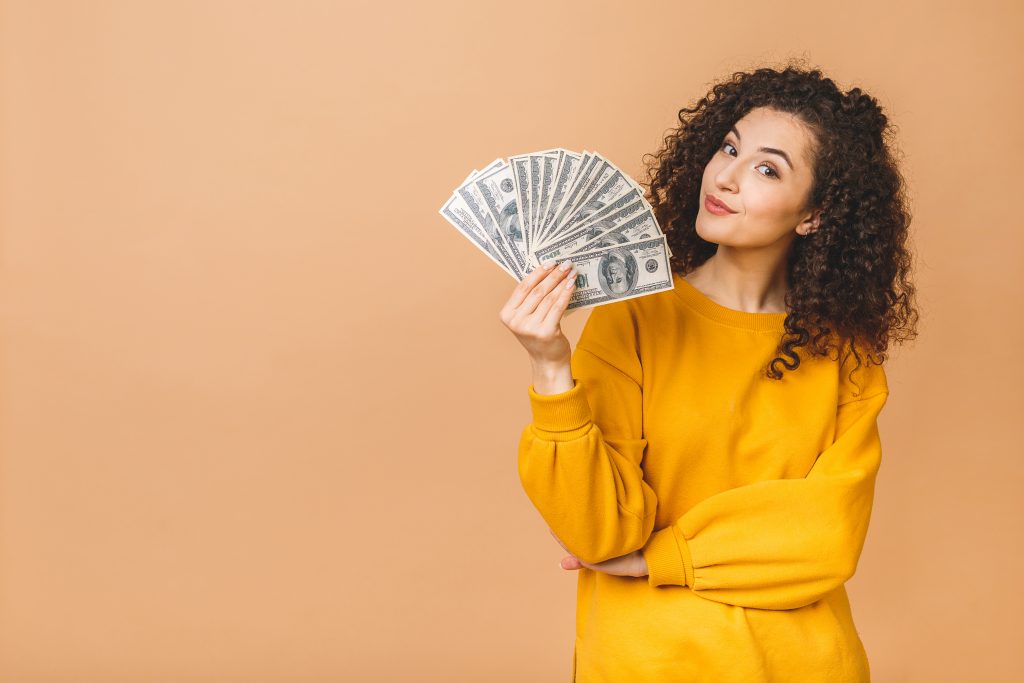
(716,208)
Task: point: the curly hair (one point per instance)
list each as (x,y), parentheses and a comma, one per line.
(849,284)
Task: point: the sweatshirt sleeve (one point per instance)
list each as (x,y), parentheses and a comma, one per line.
(580,458)
(781,543)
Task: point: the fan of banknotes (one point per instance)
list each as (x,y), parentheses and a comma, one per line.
(563,205)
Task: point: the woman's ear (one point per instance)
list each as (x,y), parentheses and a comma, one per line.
(809,224)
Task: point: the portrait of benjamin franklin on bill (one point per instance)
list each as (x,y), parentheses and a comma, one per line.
(508,224)
(586,211)
(617,273)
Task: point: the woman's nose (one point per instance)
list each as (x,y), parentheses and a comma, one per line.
(726,176)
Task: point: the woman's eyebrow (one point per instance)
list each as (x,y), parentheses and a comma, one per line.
(770,150)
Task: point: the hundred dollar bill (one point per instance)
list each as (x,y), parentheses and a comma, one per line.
(458,214)
(621,207)
(564,174)
(605,222)
(586,164)
(475,203)
(629,229)
(533,168)
(539,164)
(498,191)
(549,204)
(620,272)
(616,186)
(547,181)
(618,212)
(599,172)
(521,178)
(604,174)
(640,227)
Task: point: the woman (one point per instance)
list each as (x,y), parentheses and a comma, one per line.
(707,455)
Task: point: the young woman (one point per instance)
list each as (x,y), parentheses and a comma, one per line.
(707,455)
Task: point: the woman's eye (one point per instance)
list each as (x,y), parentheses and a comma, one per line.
(774,173)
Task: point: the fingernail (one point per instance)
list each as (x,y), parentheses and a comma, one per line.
(566,265)
(549,264)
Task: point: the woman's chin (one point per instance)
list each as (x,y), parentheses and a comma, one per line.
(713,236)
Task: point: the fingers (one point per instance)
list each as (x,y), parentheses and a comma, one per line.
(527,283)
(560,300)
(570,562)
(550,296)
(541,289)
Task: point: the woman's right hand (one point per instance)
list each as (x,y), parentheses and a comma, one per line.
(534,312)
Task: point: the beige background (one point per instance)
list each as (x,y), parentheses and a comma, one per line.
(259,417)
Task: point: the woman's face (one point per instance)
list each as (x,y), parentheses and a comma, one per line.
(766,191)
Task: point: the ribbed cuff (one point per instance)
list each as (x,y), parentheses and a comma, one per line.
(561,417)
(668,558)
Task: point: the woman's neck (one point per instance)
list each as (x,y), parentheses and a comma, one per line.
(742,287)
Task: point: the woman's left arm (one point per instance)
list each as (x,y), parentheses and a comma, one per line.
(779,543)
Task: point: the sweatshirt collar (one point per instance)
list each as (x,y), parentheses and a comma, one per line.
(698,301)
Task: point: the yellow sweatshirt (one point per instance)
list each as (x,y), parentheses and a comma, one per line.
(749,497)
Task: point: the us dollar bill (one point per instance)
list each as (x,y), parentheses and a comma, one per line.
(498,191)
(622,207)
(547,182)
(521,178)
(617,185)
(475,202)
(641,225)
(458,214)
(583,173)
(561,204)
(623,271)
(544,167)
(598,174)
(563,176)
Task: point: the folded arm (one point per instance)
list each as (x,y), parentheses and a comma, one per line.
(781,543)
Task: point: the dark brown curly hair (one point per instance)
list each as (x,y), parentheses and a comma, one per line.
(849,285)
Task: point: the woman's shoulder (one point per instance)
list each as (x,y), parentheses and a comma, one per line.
(611,325)
(861,373)
(624,321)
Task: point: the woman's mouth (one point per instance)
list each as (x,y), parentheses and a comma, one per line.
(715,207)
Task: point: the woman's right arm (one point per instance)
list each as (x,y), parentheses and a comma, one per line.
(579,459)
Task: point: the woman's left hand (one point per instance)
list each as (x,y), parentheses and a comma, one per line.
(632,564)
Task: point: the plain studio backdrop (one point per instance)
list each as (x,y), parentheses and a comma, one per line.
(258,416)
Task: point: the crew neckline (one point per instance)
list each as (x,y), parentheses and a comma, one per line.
(700,302)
